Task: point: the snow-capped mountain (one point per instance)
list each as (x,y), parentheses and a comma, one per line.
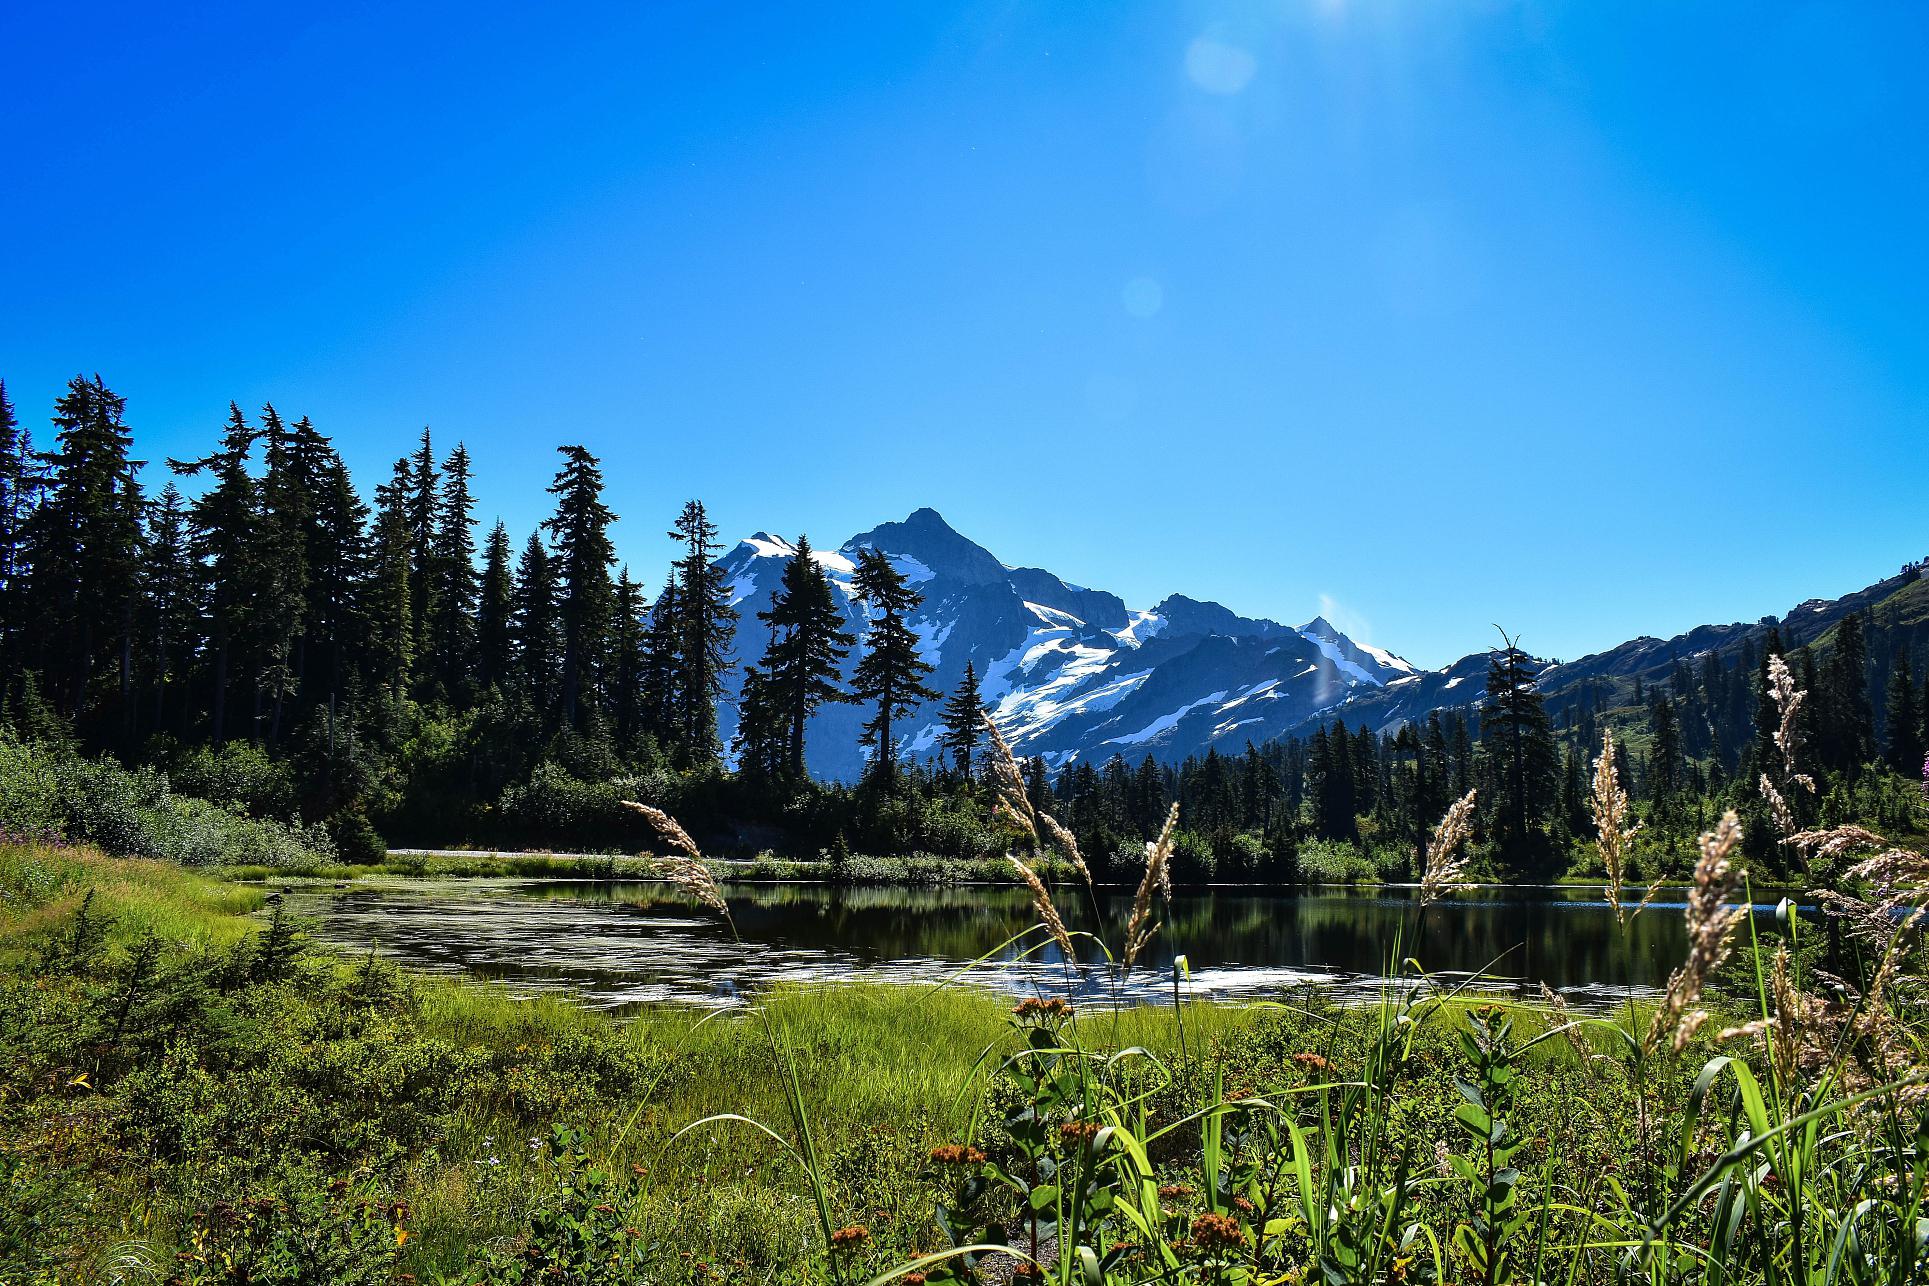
(1070,673)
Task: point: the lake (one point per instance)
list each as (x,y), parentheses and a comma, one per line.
(624,943)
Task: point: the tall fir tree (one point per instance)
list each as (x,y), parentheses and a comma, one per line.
(1520,742)
(808,644)
(449,661)
(169,608)
(495,609)
(1845,718)
(761,742)
(281,588)
(1335,800)
(420,491)
(84,547)
(388,603)
(586,605)
(222,521)
(19,487)
(890,675)
(706,623)
(964,721)
(1665,762)
(626,664)
(1905,749)
(538,641)
(661,673)
(332,648)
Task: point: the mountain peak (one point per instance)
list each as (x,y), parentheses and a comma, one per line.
(927,538)
(1184,615)
(927,518)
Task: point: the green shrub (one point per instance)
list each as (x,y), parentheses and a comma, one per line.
(135,812)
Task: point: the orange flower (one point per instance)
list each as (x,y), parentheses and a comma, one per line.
(1217,1232)
(957,1154)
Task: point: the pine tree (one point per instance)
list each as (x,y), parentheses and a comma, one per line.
(333,646)
(964,721)
(1334,799)
(807,646)
(450,657)
(1515,732)
(169,610)
(419,495)
(706,622)
(661,674)
(761,743)
(495,607)
(626,664)
(891,674)
(388,600)
(1665,763)
(84,546)
(19,487)
(537,638)
(1845,718)
(281,555)
(586,604)
(222,521)
(1905,748)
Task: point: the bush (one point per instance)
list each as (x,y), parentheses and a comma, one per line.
(239,775)
(134,812)
(554,808)
(1334,861)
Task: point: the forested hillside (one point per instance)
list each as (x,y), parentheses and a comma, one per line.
(246,627)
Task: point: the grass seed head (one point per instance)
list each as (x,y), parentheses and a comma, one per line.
(1446,865)
(1712,917)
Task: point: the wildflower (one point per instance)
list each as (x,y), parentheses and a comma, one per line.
(850,1240)
(1243,1205)
(1442,1159)
(1175,1191)
(1212,1232)
(1140,926)
(1443,870)
(1312,1062)
(1053,1009)
(912,1279)
(1712,917)
(960,1154)
(1078,1134)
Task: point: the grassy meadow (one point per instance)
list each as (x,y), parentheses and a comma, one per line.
(192,1093)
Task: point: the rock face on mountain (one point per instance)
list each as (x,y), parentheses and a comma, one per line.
(1070,673)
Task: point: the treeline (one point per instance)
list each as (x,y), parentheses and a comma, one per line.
(1351,803)
(278,643)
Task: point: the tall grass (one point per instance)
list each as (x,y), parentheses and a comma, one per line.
(1793,1147)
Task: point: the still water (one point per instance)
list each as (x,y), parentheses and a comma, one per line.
(625,943)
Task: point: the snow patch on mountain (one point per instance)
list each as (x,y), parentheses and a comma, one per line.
(1165,722)
(1069,672)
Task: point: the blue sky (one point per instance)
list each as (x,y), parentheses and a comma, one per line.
(1294,304)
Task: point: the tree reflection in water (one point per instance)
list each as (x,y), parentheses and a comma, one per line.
(633,942)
